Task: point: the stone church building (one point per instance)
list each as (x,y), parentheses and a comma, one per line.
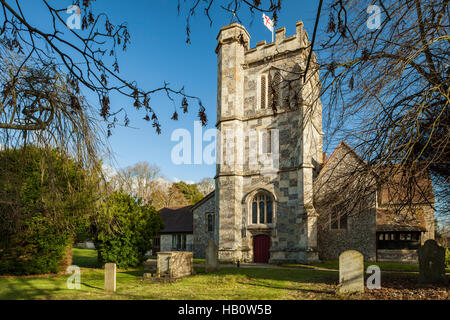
(270,160)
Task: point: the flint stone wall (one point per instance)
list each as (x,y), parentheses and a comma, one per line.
(360,233)
(201,234)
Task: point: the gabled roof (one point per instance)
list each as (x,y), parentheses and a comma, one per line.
(206,198)
(395,193)
(342,145)
(177,220)
(180,219)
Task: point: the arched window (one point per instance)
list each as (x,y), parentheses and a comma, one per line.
(262,209)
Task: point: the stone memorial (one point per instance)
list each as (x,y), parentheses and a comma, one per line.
(212,258)
(432,263)
(351,272)
(175,264)
(110,277)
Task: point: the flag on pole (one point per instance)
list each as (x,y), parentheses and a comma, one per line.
(268,23)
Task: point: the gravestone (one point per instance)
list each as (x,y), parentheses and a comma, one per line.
(110,277)
(351,272)
(212,259)
(432,263)
(175,264)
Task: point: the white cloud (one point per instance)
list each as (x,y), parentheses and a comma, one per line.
(175,179)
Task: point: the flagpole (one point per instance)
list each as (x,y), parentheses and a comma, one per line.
(267,23)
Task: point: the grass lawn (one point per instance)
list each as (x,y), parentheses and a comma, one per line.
(85,258)
(228,283)
(303,282)
(203,261)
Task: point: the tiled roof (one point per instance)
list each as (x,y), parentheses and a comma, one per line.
(390,220)
(397,190)
(177,220)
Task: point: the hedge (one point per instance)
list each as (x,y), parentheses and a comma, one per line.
(46,198)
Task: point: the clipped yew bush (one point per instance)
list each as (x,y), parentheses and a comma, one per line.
(45,200)
(123,230)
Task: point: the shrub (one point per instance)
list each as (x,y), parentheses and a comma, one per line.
(45,199)
(123,230)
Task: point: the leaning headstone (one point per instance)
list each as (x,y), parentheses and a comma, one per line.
(110,277)
(351,272)
(212,259)
(432,263)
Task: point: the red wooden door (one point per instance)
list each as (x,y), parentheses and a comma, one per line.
(261,246)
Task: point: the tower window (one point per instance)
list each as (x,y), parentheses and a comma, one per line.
(269,90)
(338,220)
(274,86)
(263,91)
(262,209)
(266,141)
(255,212)
(210,222)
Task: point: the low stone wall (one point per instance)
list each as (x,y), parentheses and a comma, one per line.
(175,264)
(404,256)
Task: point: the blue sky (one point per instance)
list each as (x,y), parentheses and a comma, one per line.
(158,52)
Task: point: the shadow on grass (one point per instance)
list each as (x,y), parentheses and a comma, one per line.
(91,286)
(134,272)
(299,276)
(263,285)
(24,288)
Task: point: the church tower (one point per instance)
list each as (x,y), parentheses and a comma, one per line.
(269,147)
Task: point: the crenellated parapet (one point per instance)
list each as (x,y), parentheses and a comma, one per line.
(280,47)
(233,33)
